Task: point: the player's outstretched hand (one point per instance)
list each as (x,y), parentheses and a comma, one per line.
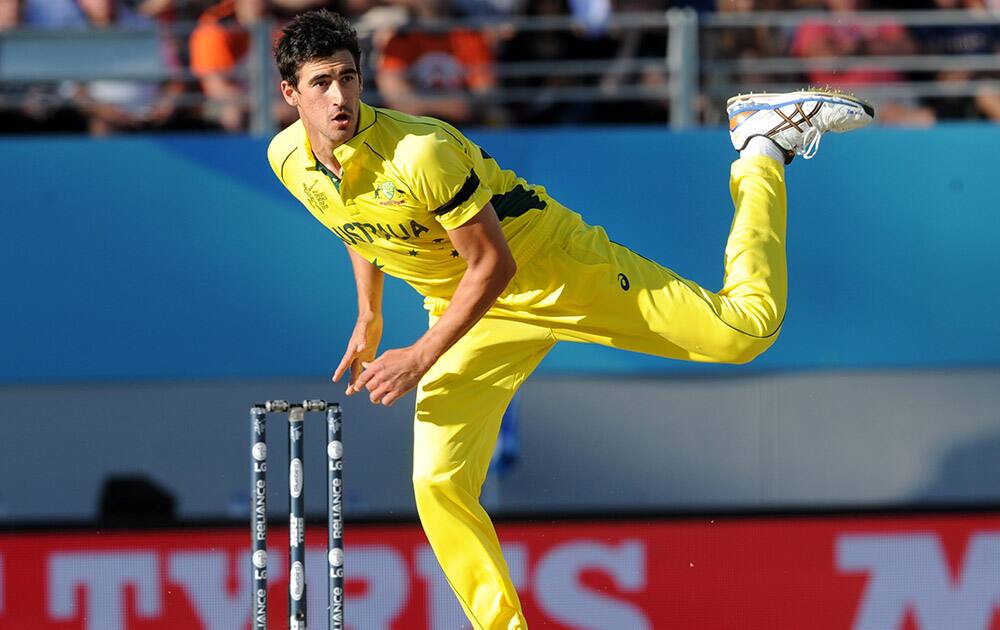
(363,346)
(390,376)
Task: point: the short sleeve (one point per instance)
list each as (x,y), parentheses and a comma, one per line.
(279,151)
(274,159)
(445,179)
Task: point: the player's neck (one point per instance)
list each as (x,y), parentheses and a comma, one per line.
(322,148)
(329,162)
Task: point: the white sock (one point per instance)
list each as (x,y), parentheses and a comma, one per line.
(759,145)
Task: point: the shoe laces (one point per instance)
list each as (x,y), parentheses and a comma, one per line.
(810,143)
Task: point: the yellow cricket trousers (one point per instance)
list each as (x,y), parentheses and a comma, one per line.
(580,287)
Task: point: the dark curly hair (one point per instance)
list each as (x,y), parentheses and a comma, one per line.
(311,36)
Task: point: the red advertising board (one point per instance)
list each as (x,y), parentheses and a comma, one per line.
(919,572)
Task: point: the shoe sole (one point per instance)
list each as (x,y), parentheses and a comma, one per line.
(831,94)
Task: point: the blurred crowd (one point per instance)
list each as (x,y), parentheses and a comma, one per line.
(850,40)
(502,73)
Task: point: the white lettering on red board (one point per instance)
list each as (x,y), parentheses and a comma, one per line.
(908,573)
(387,586)
(104,577)
(560,594)
(203,575)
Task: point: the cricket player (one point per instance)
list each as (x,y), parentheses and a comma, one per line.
(507,271)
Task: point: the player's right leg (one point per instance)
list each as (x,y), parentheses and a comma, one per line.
(460,403)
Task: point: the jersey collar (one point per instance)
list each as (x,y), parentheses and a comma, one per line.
(346,151)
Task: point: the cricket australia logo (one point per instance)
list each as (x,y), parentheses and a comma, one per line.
(316,197)
(386,193)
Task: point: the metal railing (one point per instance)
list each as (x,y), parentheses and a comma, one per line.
(695,76)
(723,77)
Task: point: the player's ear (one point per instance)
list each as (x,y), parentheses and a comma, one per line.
(290,94)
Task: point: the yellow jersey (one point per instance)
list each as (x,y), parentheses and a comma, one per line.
(405,181)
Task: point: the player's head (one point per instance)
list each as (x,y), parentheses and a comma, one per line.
(319,59)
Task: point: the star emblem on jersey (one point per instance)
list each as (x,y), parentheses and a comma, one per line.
(412,252)
(454,254)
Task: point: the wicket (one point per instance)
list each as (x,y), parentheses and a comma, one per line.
(296,510)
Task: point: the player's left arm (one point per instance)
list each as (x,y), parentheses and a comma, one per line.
(490,267)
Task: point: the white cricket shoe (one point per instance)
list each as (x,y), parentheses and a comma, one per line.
(795,121)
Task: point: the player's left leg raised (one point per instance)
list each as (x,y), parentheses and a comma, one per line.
(651,309)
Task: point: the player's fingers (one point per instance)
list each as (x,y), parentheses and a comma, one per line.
(390,398)
(337,373)
(364,378)
(378,393)
(355,372)
(345,362)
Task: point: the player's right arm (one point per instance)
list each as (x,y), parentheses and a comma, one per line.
(364,341)
(363,345)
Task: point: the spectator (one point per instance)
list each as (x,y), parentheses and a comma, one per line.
(593,14)
(849,36)
(156,9)
(31,108)
(219,44)
(742,44)
(11,118)
(631,45)
(966,39)
(543,104)
(53,14)
(490,8)
(10,14)
(173,16)
(113,106)
(438,74)
(356,8)
(376,26)
(751,42)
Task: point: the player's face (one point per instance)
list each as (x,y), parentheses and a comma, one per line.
(327,96)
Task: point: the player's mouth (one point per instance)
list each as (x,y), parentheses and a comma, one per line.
(342,120)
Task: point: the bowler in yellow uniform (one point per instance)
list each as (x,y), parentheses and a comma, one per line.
(507,271)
